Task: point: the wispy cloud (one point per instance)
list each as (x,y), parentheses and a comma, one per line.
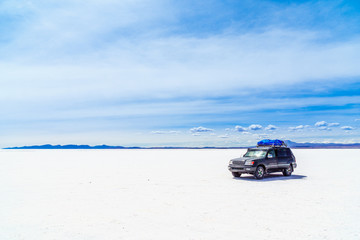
(224,136)
(240,129)
(270,127)
(296,128)
(324,128)
(165,132)
(326,124)
(200,129)
(186,72)
(347,128)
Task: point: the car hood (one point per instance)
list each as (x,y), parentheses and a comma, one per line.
(246,158)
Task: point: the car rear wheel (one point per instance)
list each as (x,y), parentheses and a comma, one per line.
(260,172)
(236,174)
(288,171)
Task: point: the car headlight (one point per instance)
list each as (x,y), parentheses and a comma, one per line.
(231,162)
(249,162)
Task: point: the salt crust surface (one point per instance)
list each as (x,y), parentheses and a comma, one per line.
(175,194)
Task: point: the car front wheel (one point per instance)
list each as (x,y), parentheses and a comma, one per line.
(288,171)
(236,174)
(260,172)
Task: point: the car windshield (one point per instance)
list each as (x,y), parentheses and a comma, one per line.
(255,153)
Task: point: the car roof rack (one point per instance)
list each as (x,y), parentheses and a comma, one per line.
(271,143)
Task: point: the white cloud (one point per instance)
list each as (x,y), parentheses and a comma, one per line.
(165,132)
(324,128)
(271,127)
(347,128)
(240,129)
(200,129)
(295,128)
(321,124)
(255,127)
(252,127)
(300,127)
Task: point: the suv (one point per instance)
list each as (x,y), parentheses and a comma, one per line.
(269,156)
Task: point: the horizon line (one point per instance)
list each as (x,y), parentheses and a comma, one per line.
(104,146)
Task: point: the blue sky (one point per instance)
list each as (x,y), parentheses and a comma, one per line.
(179,73)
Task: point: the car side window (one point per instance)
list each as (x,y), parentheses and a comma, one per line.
(271,153)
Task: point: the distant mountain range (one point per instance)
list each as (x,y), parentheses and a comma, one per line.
(71,146)
(288,143)
(321,145)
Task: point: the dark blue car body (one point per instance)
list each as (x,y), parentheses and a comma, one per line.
(263,160)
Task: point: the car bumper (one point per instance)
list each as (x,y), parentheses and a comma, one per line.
(241,169)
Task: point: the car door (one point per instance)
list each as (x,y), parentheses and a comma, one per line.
(283,157)
(271,159)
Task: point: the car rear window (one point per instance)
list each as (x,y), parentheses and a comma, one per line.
(288,152)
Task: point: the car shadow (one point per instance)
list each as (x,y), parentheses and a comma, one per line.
(271,177)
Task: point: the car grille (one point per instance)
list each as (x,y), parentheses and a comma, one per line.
(242,163)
